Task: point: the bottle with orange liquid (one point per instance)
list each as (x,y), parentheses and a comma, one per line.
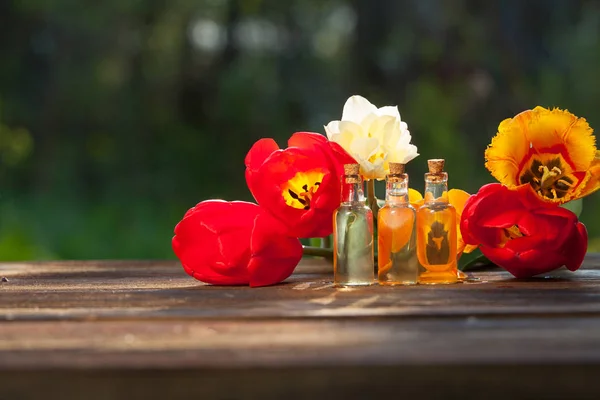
(396,235)
(436,229)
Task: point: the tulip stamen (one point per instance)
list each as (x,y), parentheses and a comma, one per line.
(299,191)
(510,233)
(564,182)
(549,176)
(550,179)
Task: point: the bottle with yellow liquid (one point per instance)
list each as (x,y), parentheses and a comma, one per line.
(353,263)
(396,234)
(436,229)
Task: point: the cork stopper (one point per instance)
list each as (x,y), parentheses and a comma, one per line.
(351,172)
(396,168)
(436,165)
(351,169)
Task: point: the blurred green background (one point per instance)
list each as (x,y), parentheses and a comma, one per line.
(117,116)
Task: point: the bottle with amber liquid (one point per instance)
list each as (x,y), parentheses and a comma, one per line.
(353,263)
(436,229)
(396,234)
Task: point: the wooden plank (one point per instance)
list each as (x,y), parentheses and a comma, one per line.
(109,290)
(125,329)
(299,343)
(422,382)
(355,358)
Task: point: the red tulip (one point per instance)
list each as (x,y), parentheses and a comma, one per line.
(300,186)
(234,243)
(521,234)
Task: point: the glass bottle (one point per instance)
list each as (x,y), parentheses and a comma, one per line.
(396,234)
(436,229)
(353,263)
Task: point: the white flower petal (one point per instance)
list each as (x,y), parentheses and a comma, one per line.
(374,137)
(364,148)
(392,111)
(390,131)
(403,154)
(332,128)
(376,170)
(355,129)
(380,125)
(368,170)
(391,136)
(345,140)
(367,122)
(357,108)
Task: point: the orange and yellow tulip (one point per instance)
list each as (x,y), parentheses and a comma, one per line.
(552,151)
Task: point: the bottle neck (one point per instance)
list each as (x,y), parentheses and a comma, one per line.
(396,191)
(352,189)
(436,186)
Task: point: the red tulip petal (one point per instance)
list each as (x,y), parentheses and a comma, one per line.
(196,247)
(576,247)
(482,235)
(234,246)
(528,224)
(560,212)
(552,237)
(485,203)
(466,231)
(503,218)
(219,216)
(326,197)
(523,244)
(274,256)
(259,152)
(342,157)
(214,278)
(194,242)
(538,261)
(522,265)
(530,199)
(502,257)
(313,141)
(307,151)
(307,140)
(212,241)
(555,224)
(315,223)
(280,168)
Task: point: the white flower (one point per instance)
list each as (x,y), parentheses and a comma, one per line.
(373,136)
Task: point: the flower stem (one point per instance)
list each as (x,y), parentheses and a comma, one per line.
(317,252)
(371,199)
(326,242)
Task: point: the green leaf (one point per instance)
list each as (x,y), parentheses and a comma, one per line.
(473,261)
(314,242)
(575,206)
(356,229)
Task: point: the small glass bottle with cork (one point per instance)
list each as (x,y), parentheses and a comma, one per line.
(353,262)
(436,229)
(396,232)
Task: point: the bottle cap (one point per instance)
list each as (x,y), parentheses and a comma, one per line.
(351,169)
(436,165)
(396,168)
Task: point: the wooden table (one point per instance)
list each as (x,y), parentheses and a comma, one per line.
(128,329)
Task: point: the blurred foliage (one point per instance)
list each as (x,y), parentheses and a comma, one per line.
(117,116)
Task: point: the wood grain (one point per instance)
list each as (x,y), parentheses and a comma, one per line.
(132,329)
